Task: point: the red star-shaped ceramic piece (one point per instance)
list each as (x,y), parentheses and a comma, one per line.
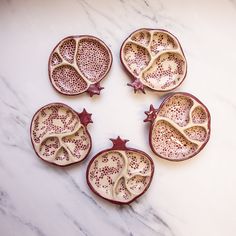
(119,143)
(85,117)
(151,114)
(137,85)
(94,89)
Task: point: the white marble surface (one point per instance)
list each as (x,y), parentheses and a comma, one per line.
(195,197)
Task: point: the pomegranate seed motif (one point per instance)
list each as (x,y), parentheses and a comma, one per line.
(78,63)
(59,134)
(155,59)
(120,174)
(180,127)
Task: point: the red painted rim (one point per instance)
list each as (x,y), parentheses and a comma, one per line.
(128,149)
(209,126)
(52,163)
(80,36)
(134,77)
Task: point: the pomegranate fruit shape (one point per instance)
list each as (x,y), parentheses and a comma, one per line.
(78,63)
(59,134)
(154,59)
(180,127)
(120,174)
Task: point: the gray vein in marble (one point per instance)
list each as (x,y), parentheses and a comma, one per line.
(154,15)
(5,199)
(145,216)
(10,88)
(19,121)
(9,105)
(6,85)
(81,229)
(141,12)
(10,140)
(7,209)
(152,211)
(109,19)
(77,187)
(13,145)
(15,113)
(123,210)
(94,202)
(227,101)
(88,14)
(27,224)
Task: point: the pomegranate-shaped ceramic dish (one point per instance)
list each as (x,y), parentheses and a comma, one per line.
(78,63)
(154,59)
(180,127)
(120,174)
(59,134)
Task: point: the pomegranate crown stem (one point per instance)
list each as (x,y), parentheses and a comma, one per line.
(137,85)
(151,114)
(94,89)
(85,117)
(119,143)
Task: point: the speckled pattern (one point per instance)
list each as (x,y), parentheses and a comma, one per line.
(58,136)
(120,175)
(155,58)
(78,63)
(191,198)
(180,127)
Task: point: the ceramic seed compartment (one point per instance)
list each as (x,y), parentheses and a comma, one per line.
(154,59)
(78,63)
(180,127)
(120,174)
(59,134)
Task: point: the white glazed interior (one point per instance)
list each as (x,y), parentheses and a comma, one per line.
(181,128)
(120,175)
(58,135)
(76,71)
(156,59)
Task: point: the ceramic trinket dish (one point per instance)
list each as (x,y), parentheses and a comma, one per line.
(154,59)
(120,174)
(59,134)
(78,63)
(180,127)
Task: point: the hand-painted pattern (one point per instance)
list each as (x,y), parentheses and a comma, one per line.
(180,127)
(155,59)
(78,63)
(58,135)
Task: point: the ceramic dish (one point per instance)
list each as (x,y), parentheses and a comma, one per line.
(78,63)
(120,174)
(180,127)
(59,134)
(154,59)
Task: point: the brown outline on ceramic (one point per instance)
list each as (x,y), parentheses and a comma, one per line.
(158,110)
(85,126)
(80,36)
(124,148)
(133,78)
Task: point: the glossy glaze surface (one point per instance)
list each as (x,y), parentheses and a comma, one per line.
(190,198)
(59,136)
(120,174)
(180,127)
(154,57)
(78,63)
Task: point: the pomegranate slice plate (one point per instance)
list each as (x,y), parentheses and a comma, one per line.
(120,174)
(59,135)
(154,58)
(78,63)
(180,127)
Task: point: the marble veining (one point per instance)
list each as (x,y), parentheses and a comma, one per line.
(196,197)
